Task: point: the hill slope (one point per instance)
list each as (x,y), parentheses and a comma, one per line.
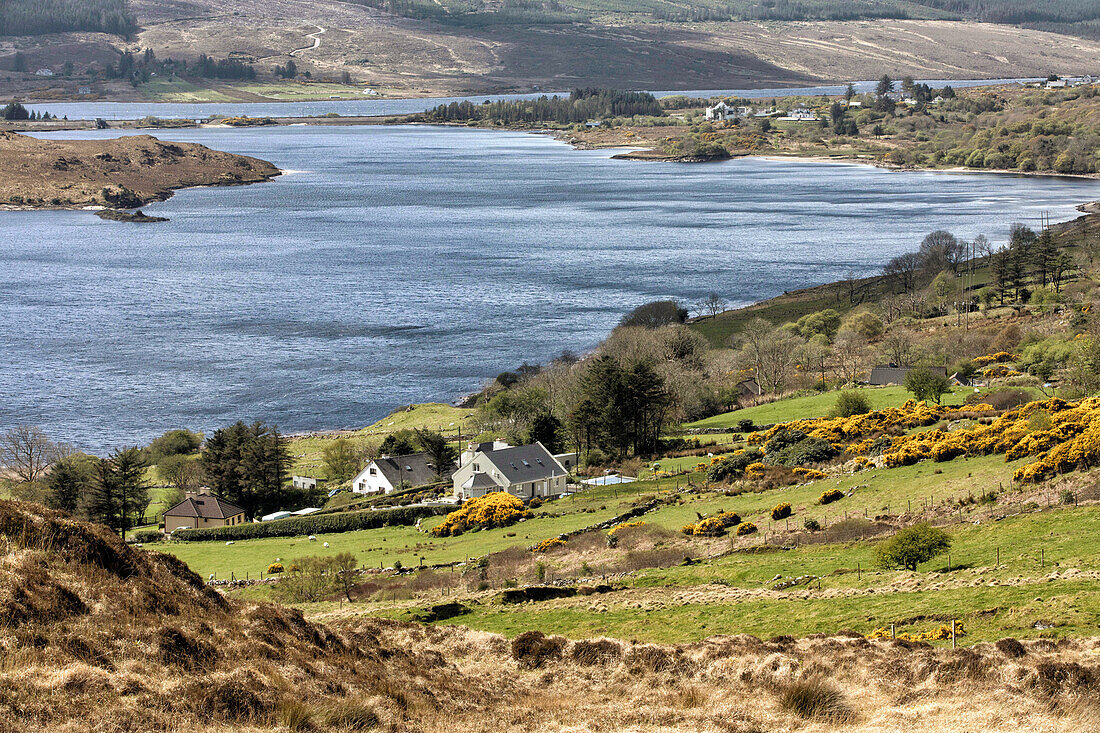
(101,636)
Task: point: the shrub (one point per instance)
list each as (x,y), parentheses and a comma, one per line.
(715,526)
(912,546)
(145,536)
(532,649)
(1011,648)
(745,528)
(851,402)
(733,466)
(498,509)
(745,426)
(810,450)
(829,496)
(927,385)
(815,699)
(548,544)
(316,524)
(781,511)
(812,525)
(275,568)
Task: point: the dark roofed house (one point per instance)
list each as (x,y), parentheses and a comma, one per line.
(391,473)
(525,471)
(893,374)
(202,509)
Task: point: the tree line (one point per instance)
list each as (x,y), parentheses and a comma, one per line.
(580,106)
(36,17)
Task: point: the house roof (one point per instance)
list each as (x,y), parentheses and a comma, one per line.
(525,463)
(415,469)
(480,480)
(206,506)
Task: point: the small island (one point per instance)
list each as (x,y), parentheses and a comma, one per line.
(123,173)
(134,217)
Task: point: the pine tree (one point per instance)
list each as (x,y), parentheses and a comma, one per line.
(120,493)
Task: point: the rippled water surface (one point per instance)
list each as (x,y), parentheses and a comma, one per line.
(399,264)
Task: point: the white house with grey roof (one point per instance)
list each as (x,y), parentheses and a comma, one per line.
(390,473)
(524,471)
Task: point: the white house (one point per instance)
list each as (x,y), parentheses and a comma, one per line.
(303,483)
(525,471)
(43,72)
(390,473)
(1059,84)
(800,114)
(721,112)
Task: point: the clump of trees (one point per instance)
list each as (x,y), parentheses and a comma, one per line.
(248,465)
(36,17)
(580,106)
(912,546)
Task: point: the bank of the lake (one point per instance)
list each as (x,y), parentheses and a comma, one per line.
(372,274)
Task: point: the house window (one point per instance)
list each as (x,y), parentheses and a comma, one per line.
(374,472)
(477,467)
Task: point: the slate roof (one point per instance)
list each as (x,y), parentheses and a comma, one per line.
(525,463)
(480,480)
(415,469)
(206,506)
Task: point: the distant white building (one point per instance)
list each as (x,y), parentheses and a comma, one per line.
(800,114)
(303,483)
(855,103)
(1058,84)
(43,72)
(721,112)
(370,92)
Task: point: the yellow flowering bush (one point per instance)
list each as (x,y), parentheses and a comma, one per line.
(998,371)
(998,358)
(497,509)
(809,473)
(940,633)
(274,568)
(781,511)
(714,526)
(625,525)
(548,544)
(828,497)
(745,528)
(756,469)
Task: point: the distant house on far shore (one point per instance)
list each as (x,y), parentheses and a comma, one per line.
(43,72)
(894,374)
(720,112)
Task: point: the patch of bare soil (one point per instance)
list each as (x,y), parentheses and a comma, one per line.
(122,173)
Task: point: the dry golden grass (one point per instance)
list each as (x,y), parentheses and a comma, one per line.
(99,636)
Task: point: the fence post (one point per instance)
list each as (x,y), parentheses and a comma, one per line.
(998,556)
(952,633)
(893,633)
(859,573)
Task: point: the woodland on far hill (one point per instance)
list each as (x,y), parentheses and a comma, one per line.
(35,17)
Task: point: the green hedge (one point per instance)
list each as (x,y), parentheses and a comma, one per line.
(316,524)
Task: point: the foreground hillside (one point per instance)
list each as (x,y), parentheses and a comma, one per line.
(125,172)
(101,636)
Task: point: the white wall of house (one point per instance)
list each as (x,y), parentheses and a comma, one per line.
(371,480)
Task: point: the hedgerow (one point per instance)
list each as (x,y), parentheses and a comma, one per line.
(318,524)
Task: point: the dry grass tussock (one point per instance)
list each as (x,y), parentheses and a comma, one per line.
(98,636)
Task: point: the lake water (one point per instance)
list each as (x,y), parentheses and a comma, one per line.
(400,264)
(371,106)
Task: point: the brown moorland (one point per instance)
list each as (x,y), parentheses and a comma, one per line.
(125,172)
(97,635)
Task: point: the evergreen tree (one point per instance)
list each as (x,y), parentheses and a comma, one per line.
(68,482)
(120,494)
(441,453)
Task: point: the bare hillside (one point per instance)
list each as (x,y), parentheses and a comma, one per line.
(99,636)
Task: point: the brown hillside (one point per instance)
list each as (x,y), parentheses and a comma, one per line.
(99,636)
(125,172)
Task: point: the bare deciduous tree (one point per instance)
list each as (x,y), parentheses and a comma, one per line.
(27,452)
(713,304)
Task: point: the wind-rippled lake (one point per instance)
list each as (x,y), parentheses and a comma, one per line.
(404,264)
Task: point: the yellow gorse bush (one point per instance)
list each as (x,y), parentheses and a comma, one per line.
(745,528)
(625,525)
(781,511)
(274,568)
(940,633)
(715,526)
(998,358)
(828,497)
(548,544)
(1072,441)
(498,509)
(810,473)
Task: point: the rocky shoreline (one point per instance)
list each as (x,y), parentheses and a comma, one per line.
(123,173)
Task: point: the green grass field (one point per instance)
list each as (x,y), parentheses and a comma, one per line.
(816,405)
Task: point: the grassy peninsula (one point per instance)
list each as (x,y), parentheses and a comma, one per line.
(125,173)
